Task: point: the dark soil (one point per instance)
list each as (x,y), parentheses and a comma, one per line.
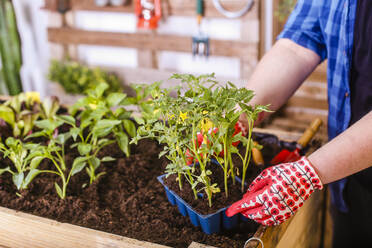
(128,200)
(218,200)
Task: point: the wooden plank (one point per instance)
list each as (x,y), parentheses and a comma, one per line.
(305,228)
(198,245)
(170,7)
(320,73)
(283,135)
(24,230)
(262,20)
(302,230)
(147,59)
(230,48)
(307,102)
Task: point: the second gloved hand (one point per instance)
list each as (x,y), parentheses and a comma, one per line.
(278,192)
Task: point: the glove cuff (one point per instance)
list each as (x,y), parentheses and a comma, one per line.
(312,176)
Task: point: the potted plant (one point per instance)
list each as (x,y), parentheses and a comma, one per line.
(199,131)
(71,80)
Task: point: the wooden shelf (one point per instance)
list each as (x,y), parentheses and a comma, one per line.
(169,7)
(150,41)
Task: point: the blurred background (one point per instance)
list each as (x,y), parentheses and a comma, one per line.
(63,47)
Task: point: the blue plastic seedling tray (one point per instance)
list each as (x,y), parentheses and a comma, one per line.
(210,223)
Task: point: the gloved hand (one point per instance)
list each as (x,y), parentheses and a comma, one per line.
(277,193)
(239,127)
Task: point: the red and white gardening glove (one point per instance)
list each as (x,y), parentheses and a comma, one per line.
(239,128)
(277,193)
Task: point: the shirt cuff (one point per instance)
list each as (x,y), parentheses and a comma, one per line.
(305,40)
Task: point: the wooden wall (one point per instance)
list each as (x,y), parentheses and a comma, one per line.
(309,101)
(62,32)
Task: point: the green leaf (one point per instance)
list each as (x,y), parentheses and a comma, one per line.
(59,190)
(11,142)
(48,125)
(139,120)
(95,162)
(104,127)
(130,127)
(100,89)
(18,180)
(114,99)
(67,119)
(123,142)
(7,169)
(35,135)
(78,165)
(35,162)
(102,124)
(108,159)
(100,174)
(74,145)
(62,138)
(84,149)
(74,132)
(30,176)
(7,114)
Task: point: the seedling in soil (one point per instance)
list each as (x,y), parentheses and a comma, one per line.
(55,152)
(102,121)
(20,113)
(25,160)
(198,126)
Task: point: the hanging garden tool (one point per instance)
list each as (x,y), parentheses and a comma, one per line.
(148,13)
(200,42)
(233,14)
(63,6)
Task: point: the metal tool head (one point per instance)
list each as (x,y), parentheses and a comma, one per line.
(200,46)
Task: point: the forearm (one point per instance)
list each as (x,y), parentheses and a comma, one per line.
(346,154)
(280,72)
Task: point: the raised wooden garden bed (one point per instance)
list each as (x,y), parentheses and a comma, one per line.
(24,230)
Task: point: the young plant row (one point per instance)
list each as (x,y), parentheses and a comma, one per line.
(197,128)
(42,133)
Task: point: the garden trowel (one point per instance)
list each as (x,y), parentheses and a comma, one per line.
(285,156)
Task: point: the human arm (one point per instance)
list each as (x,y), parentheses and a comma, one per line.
(348,153)
(279,74)
(279,191)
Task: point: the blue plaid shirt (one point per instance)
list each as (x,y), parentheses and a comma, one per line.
(327,28)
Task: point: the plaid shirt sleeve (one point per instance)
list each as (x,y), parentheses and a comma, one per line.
(303,27)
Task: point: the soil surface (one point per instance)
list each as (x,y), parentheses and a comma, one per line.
(128,200)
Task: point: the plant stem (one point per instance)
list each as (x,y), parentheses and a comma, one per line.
(225,166)
(248,153)
(232,168)
(179,181)
(202,165)
(191,179)
(192,183)
(92,175)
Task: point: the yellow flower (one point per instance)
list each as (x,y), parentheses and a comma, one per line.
(93,106)
(205,112)
(33,96)
(206,124)
(183,116)
(170,117)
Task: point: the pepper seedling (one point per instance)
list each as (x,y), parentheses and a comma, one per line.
(25,158)
(101,118)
